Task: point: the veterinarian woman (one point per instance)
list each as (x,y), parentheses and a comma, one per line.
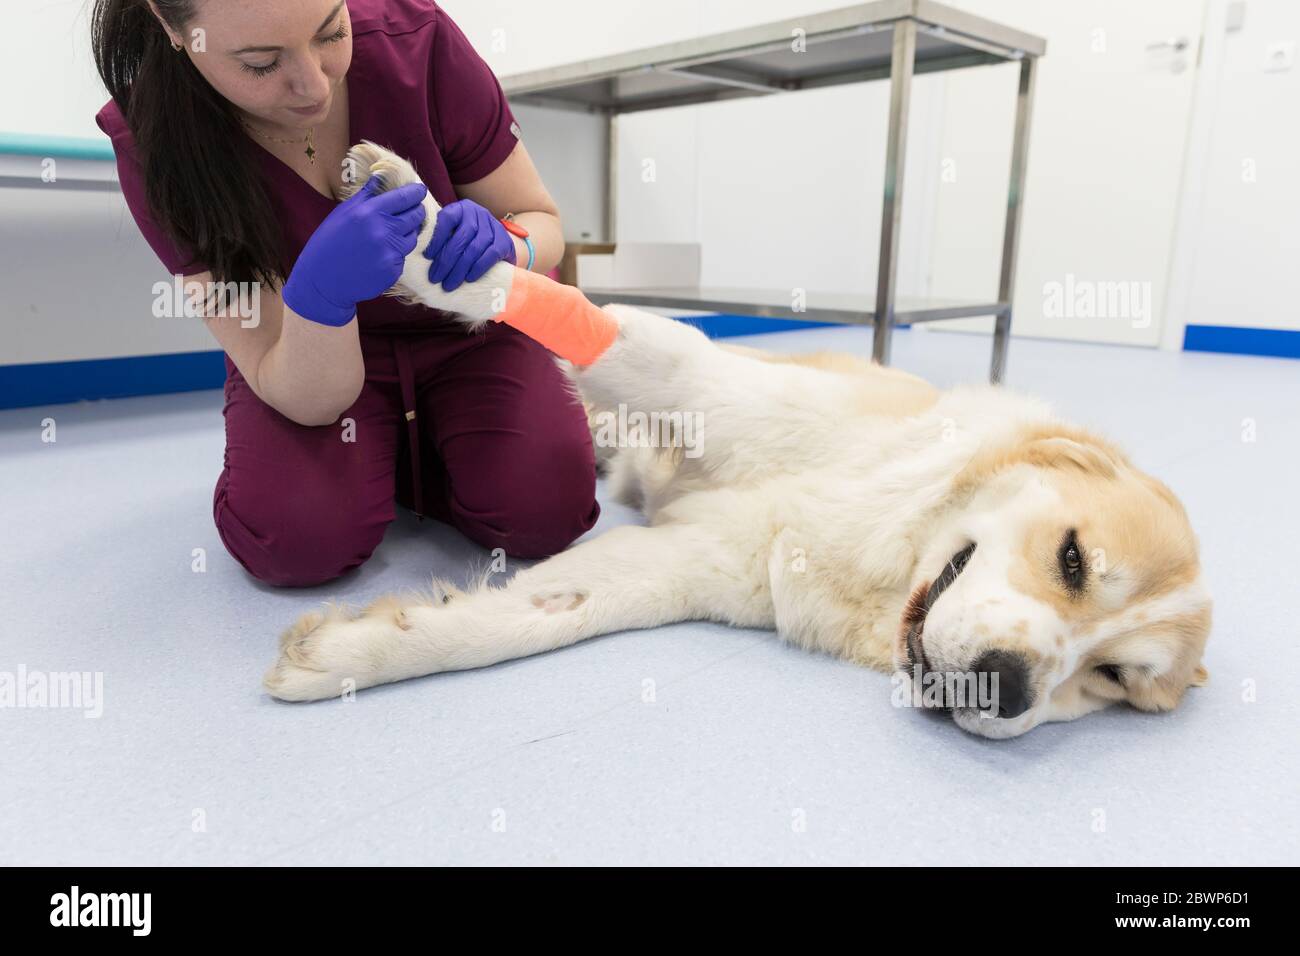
(230,120)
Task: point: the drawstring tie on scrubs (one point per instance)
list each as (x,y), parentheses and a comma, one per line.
(406,377)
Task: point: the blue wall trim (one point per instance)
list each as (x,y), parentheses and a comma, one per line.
(60,147)
(723,325)
(52,383)
(1284,343)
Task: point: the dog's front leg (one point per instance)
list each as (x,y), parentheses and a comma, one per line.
(630,577)
(620,355)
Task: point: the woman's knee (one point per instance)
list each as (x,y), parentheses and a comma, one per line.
(528,533)
(532,507)
(296,537)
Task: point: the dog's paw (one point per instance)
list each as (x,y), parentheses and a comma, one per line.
(473,304)
(367,159)
(314,661)
(339,651)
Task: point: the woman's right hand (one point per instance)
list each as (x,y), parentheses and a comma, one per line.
(356,253)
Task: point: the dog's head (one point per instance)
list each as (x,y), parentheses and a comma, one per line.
(1063,581)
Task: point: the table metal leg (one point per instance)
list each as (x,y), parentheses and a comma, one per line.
(611,177)
(1015,202)
(900,95)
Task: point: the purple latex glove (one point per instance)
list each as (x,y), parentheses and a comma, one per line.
(467,242)
(356,253)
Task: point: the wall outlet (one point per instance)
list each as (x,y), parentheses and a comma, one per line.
(1279,56)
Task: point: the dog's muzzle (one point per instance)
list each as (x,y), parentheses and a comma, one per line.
(919,607)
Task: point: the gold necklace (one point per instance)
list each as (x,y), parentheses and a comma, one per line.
(308,139)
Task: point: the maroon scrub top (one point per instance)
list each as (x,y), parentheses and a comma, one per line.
(513,461)
(416,86)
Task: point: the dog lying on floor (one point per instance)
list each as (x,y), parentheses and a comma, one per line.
(854,509)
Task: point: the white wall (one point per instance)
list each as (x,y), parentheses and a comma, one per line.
(782,191)
(753,212)
(785,191)
(76,277)
(47,73)
(1238,241)
(1106,159)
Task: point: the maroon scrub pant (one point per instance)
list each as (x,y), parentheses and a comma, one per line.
(481,431)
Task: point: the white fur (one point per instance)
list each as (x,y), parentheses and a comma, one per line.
(476,301)
(801,515)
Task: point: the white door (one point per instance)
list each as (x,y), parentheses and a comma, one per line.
(1107,146)
(1238,245)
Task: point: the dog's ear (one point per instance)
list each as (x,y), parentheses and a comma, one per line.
(1185,635)
(1069,453)
(1046,446)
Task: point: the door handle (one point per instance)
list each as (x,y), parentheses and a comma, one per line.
(1177,44)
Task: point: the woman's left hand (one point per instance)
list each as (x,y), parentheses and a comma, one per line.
(467,242)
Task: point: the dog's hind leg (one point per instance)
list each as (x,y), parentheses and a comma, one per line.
(630,577)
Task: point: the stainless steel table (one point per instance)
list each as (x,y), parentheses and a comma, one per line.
(869,41)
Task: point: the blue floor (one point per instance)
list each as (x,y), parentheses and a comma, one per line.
(750,752)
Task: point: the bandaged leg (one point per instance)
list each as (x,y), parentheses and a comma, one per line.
(559,317)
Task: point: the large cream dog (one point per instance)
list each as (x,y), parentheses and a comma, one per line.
(854,509)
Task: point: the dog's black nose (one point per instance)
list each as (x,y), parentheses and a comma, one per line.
(1013,696)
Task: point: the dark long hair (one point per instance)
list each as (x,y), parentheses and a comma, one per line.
(201,181)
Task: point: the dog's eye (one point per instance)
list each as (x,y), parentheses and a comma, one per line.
(1111,672)
(1070,559)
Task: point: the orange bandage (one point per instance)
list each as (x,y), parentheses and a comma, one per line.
(559,317)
